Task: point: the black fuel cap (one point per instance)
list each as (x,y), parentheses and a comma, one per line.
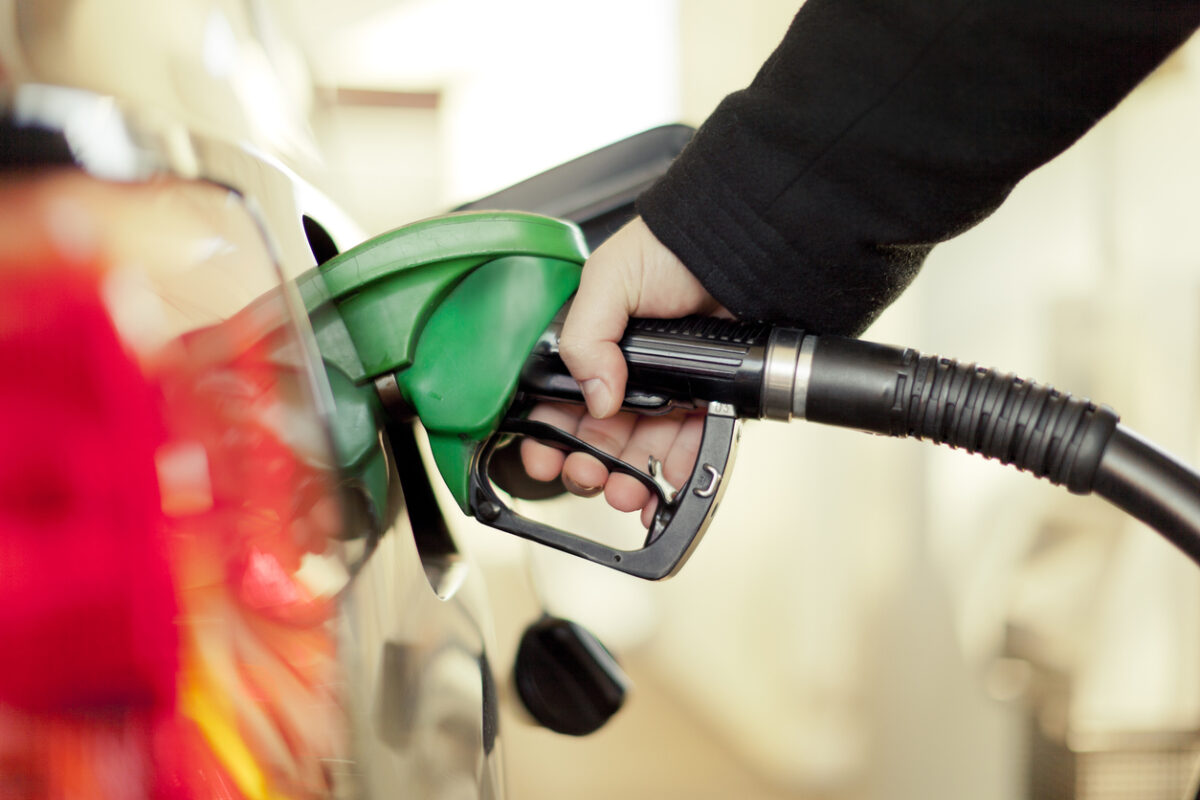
(566,678)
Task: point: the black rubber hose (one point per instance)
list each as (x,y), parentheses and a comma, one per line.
(1151,485)
(899,392)
(1068,440)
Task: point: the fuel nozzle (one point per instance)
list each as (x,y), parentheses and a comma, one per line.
(438,320)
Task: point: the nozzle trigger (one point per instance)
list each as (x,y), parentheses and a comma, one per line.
(681,516)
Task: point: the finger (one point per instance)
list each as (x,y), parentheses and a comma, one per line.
(648,512)
(610,435)
(544,463)
(677,466)
(651,436)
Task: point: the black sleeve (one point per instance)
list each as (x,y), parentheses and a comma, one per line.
(881,127)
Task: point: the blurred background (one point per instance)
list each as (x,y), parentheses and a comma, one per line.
(866,618)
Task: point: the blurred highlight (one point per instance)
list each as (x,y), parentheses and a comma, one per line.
(168,524)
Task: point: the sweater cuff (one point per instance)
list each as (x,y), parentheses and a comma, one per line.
(743,262)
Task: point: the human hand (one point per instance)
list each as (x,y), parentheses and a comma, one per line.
(630,275)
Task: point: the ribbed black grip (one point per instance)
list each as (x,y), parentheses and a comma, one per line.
(902,393)
(698,358)
(712,329)
(672,363)
(1031,426)
(700,347)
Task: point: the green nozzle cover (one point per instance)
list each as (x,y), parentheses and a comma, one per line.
(472,350)
(387,287)
(452,307)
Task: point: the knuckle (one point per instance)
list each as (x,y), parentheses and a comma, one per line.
(603,440)
(573,347)
(678,468)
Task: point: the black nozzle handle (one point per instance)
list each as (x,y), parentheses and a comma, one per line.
(756,371)
(673,363)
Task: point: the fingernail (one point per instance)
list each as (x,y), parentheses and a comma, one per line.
(597,396)
(582,491)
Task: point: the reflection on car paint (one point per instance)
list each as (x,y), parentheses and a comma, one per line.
(169,529)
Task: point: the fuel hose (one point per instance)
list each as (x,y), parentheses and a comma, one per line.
(1067,440)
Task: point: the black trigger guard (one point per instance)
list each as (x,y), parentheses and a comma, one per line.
(677,526)
(559,439)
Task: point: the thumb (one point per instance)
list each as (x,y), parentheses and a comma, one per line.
(594,325)
(631,274)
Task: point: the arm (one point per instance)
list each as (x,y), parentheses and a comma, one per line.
(878,129)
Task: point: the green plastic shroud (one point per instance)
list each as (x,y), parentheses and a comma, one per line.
(451,306)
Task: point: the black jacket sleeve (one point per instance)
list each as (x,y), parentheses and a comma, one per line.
(881,127)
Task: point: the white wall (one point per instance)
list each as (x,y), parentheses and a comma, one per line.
(526,84)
